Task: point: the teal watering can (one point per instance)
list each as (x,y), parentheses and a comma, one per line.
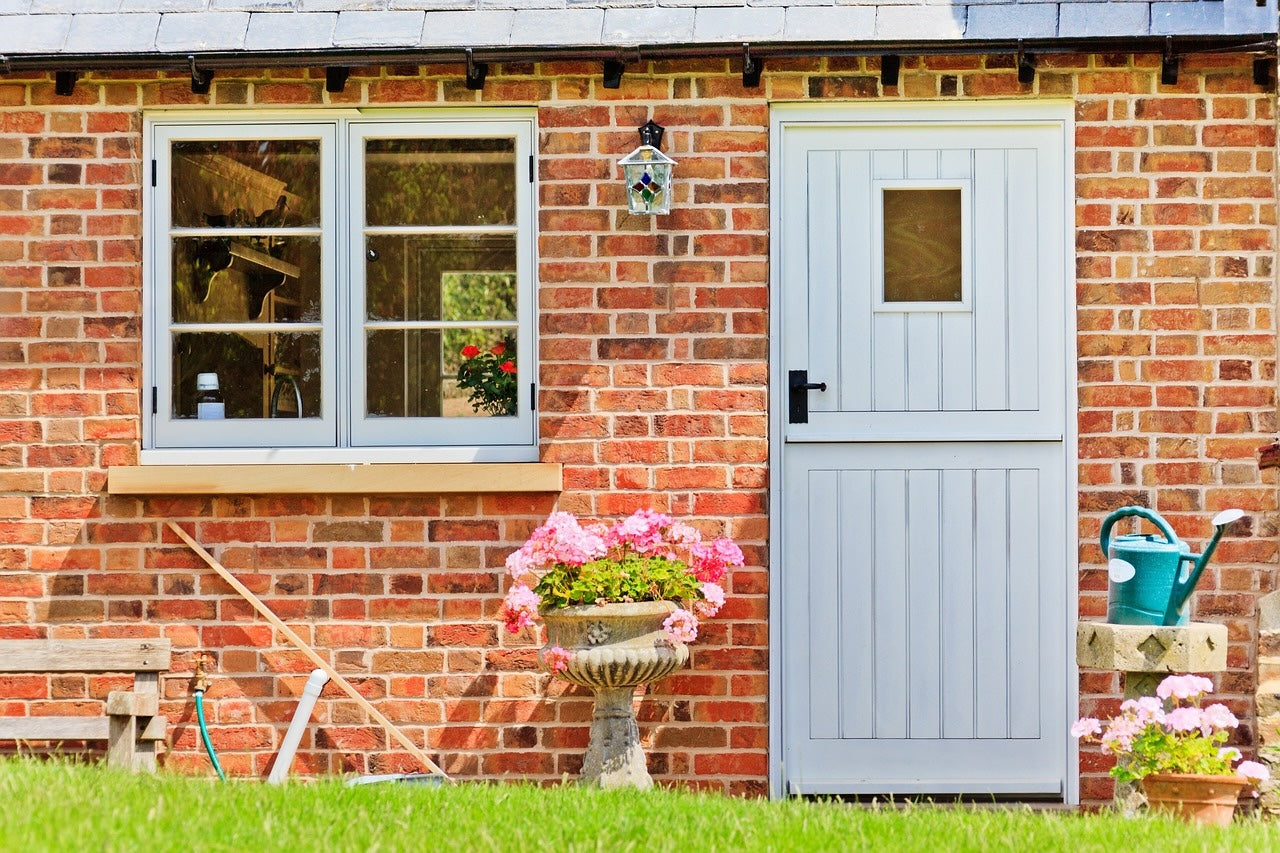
(1150,578)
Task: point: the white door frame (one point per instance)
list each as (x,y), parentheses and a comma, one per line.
(784,115)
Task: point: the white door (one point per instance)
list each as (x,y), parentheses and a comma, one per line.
(922,580)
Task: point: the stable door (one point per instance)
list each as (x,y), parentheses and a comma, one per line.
(922,564)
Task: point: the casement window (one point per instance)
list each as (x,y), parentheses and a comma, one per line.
(361,286)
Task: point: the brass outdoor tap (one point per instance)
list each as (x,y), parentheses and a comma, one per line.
(202,680)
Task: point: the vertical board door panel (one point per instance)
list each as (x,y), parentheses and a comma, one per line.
(824,600)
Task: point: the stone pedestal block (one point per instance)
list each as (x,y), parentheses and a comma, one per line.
(1147,653)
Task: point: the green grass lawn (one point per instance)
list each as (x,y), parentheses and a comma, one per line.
(59,806)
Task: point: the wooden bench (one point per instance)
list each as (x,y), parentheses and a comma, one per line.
(132,725)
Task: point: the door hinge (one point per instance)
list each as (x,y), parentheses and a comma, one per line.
(533,396)
(530,168)
(153,173)
(155,401)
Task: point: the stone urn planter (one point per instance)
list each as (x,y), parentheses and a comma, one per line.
(1193,797)
(614,649)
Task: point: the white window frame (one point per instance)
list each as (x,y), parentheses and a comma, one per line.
(342,433)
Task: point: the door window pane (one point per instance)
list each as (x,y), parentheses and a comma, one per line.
(922,245)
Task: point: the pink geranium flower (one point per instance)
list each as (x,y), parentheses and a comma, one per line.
(1183,687)
(711,602)
(1187,719)
(681,626)
(1086,726)
(642,531)
(1253,771)
(519,608)
(557,659)
(1217,716)
(560,540)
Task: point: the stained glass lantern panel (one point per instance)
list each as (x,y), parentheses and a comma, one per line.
(647,174)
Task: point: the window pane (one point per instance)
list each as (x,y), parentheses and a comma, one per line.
(440,182)
(242,183)
(440,277)
(236,280)
(260,374)
(922,253)
(416,372)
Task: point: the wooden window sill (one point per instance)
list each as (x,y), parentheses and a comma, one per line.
(335,479)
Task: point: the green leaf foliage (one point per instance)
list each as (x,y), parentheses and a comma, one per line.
(1156,750)
(632,577)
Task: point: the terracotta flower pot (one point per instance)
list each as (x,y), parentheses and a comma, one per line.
(615,647)
(1194,797)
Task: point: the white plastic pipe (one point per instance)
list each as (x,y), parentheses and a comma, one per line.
(301,716)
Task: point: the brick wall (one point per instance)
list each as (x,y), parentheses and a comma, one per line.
(653,348)
(1175,240)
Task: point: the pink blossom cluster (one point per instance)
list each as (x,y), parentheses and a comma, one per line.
(557,658)
(711,602)
(709,561)
(1253,771)
(1184,687)
(642,532)
(561,540)
(681,626)
(520,607)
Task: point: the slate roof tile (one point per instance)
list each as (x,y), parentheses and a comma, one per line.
(279,31)
(1182,18)
(1081,20)
(182,31)
(45,7)
(162,5)
(720,24)
(1004,21)
(472,29)
(114,33)
(1245,16)
(39,33)
(564,26)
(920,22)
(840,23)
(378,29)
(628,26)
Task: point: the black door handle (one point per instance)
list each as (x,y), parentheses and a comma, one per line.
(799,386)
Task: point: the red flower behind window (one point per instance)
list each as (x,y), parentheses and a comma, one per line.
(490,378)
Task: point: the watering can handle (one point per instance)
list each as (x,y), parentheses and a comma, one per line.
(1140,512)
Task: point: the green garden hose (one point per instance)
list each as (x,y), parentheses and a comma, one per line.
(204,735)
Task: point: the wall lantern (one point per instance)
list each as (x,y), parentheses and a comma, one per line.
(647,173)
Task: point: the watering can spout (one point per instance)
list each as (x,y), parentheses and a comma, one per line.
(1182,589)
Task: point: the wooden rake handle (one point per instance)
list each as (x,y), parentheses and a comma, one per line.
(311,654)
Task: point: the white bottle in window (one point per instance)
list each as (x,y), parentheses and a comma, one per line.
(209,405)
